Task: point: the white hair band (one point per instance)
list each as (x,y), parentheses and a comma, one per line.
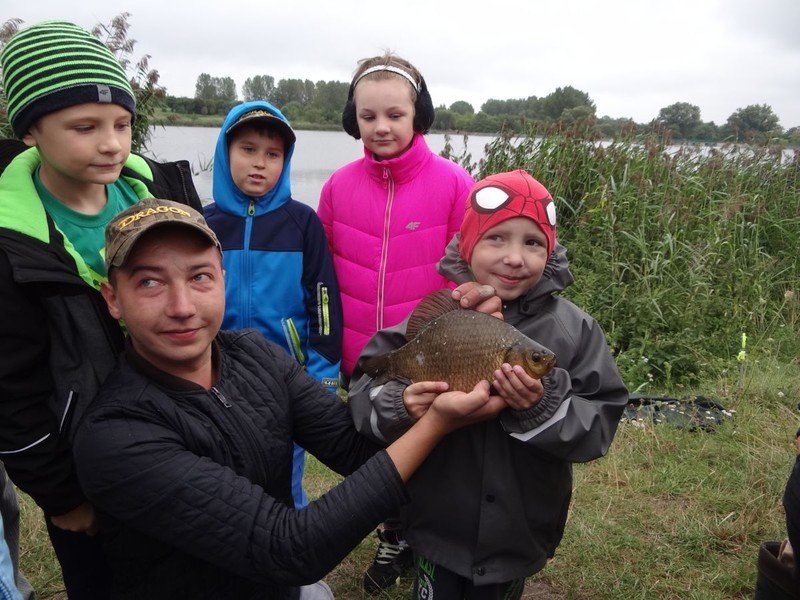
(391,69)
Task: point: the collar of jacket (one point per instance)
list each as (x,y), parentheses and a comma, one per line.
(227,196)
(402,168)
(22,211)
(166,380)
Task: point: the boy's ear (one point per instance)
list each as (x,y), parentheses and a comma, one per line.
(110,296)
(29,139)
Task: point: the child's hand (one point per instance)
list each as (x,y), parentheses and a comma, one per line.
(482,298)
(518,389)
(454,410)
(419,396)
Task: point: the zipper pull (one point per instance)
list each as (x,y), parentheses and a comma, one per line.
(222,399)
(251,210)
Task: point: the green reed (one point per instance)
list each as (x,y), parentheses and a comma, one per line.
(676,251)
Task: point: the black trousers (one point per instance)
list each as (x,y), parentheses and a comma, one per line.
(434,582)
(83,567)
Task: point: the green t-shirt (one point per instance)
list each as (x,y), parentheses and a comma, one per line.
(87,232)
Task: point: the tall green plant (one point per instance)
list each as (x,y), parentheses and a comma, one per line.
(144,80)
(675,251)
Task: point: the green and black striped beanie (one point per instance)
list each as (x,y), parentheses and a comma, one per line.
(55,65)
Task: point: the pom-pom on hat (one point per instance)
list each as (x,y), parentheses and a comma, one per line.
(504,196)
(54,65)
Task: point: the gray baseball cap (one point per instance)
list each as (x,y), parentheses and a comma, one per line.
(127,227)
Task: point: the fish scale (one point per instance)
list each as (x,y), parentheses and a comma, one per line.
(461,347)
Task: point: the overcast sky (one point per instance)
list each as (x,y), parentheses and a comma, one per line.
(633,57)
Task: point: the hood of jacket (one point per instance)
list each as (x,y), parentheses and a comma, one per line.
(230,198)
(556,278)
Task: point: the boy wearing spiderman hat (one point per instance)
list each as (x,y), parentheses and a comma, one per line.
(488,508)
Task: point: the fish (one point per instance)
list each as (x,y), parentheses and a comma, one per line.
(459,346)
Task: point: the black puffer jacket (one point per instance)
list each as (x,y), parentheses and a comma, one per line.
(193,485)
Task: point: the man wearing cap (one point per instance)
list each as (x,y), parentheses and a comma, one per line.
(187,450)
(278,269)
(72,107)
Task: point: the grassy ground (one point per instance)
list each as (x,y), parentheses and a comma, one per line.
(667,514)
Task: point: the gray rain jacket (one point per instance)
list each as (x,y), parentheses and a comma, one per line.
(491,501)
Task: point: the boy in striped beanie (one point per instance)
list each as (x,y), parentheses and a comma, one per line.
(70,101)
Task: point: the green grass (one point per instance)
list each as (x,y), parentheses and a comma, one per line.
(667,514)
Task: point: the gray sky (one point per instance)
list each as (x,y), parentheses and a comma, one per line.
(633,57)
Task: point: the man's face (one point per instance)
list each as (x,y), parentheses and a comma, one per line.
(171,295)
(82,144)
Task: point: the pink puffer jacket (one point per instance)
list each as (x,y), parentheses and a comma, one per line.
(388,224)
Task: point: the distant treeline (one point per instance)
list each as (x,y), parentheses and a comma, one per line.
(308,103)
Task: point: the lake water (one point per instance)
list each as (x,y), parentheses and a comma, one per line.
(317,154)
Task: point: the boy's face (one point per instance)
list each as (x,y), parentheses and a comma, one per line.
(385,116)
(82,144)
(171,294)
(511,257)
(256,160)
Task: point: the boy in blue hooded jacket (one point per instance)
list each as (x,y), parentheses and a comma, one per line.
(278,270)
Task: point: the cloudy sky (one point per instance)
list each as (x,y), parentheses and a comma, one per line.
(633,57)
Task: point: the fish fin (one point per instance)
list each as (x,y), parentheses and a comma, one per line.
(430,307)
(375,365)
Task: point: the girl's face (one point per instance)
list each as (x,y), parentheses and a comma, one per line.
(511,257)
(385,116)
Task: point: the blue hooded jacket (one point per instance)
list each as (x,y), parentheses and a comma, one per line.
(279,275)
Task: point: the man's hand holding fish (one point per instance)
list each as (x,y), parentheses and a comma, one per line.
(419,396)
(482,298)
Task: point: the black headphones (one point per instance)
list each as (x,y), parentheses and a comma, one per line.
(423,107)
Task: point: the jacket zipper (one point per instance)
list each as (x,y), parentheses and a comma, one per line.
(221,397)
(389,183)
(293,340)
(244,290)
(324,309)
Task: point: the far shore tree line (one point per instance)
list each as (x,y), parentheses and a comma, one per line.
(307,103)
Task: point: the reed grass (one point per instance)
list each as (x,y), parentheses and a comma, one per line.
(676,252)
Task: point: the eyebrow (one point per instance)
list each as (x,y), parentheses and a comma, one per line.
(195,267)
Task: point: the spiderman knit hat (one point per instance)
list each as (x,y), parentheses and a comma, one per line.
(504,196)
(54,65)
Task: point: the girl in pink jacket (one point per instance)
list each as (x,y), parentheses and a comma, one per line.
(389,215)
(388,218)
